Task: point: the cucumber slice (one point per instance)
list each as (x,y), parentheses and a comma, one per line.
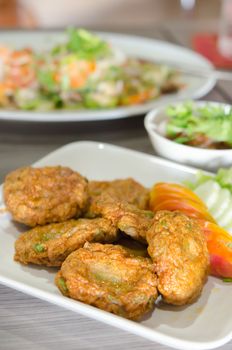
(209,193)
(226,218)
(222,204)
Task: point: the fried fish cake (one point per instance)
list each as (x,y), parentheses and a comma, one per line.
(37,196)
(128,218)
(50,244)
(110,278)
(127,190)
(178,249)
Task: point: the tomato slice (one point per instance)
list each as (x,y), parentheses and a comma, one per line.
(186,206)
(163,191)
(161,196)
(219,244)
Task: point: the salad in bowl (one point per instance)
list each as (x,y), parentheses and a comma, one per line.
(197,133)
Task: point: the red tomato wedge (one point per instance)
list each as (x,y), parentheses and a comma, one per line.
(168,196)
(186,206)
(174,191)
(220,249)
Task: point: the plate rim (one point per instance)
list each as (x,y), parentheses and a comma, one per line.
(105,114)
(114,320)
(101,315)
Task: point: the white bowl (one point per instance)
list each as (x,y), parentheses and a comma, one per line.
(208,159)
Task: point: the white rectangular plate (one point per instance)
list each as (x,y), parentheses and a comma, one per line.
(206,324)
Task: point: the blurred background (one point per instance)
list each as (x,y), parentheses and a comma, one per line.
(103,13)
(203,25)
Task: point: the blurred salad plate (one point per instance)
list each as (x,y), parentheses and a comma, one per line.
(81,76)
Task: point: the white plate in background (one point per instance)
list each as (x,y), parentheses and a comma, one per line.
(206,324)
(150,49)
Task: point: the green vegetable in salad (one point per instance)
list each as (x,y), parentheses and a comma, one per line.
(186,121)
(45,78)
(26,100)
(86,45)
(97,100)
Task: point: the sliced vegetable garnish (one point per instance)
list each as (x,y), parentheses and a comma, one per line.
(216,192)
(164,190)
(168,196)
(186,206)
(208,192)
(224,178)
(220,248)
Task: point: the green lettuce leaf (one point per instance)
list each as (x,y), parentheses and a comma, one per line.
(189,120)
(223,178)
(86,45)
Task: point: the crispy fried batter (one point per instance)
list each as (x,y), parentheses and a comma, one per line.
(128,218)
(126,190)
(49,245)
(109,277)
(178,249)
(37,196)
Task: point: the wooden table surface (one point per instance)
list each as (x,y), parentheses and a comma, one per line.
(29,323)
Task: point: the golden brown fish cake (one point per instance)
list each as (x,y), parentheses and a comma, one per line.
(50,244)
(126,190)
(110,278)
(128,218)
(37,196)
(179,252)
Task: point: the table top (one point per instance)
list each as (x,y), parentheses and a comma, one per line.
(30,323)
